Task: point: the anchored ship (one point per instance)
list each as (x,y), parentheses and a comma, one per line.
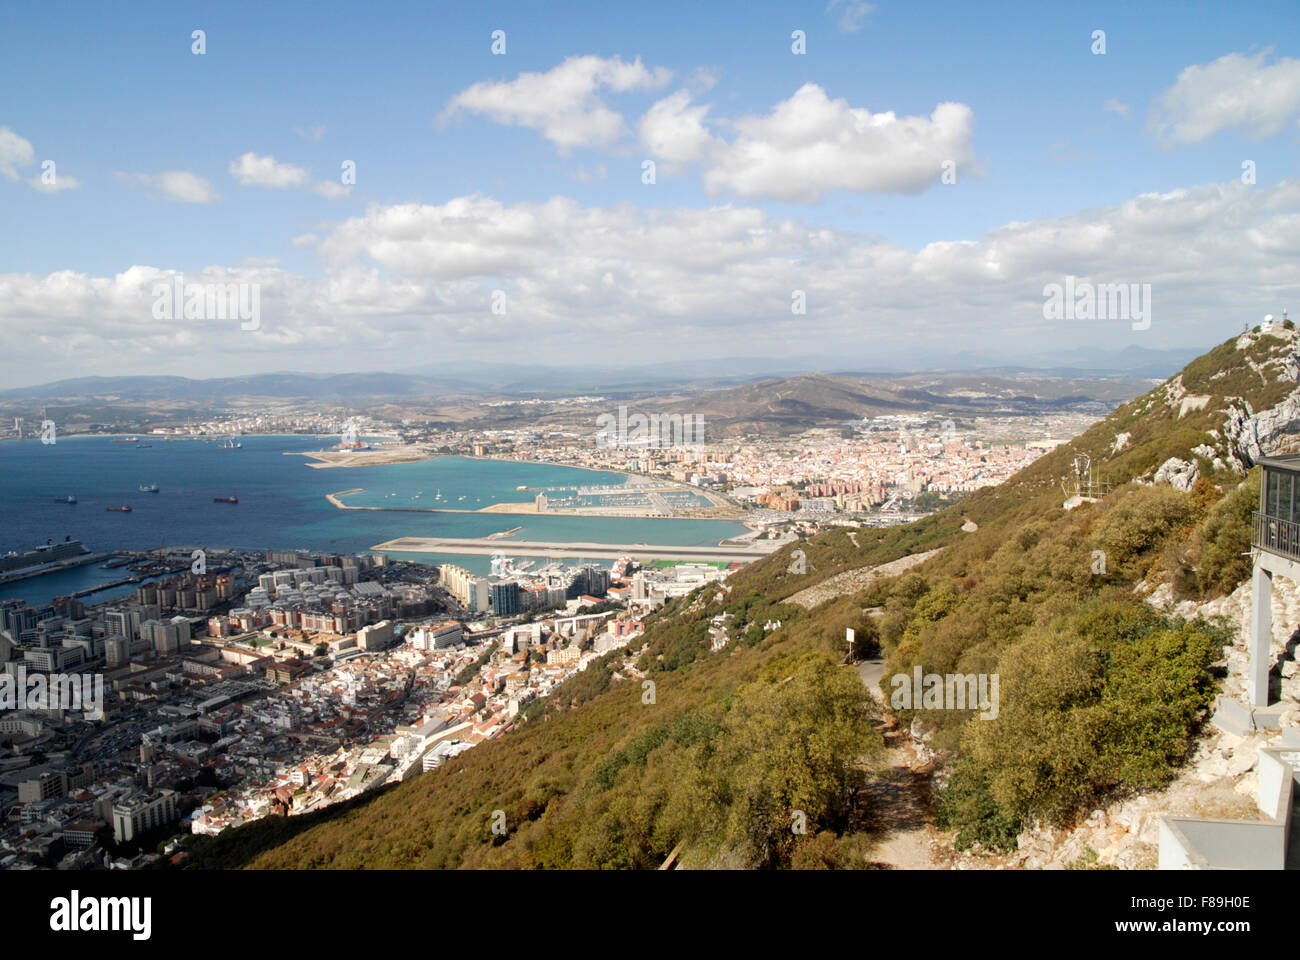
(148,488)
(48,553)
(225,499)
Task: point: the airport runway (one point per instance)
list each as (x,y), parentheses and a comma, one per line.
(589,551)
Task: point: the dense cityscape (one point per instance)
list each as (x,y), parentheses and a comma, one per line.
(238,685)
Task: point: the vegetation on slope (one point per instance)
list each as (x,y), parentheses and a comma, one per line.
(1099,694)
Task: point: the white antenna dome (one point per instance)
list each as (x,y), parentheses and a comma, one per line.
(1268,318)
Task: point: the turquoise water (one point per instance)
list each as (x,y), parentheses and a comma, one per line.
(281,505)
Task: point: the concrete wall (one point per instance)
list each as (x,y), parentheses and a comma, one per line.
(1195,843)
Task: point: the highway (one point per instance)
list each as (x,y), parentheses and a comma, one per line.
(586,551)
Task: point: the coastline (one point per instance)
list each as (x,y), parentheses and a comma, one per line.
(719,508)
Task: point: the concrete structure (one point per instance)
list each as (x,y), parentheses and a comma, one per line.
(1275,546)
(1196,843)
(377,636)
(1193,843)
(141,814)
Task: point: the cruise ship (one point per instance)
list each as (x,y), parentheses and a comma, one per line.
(49,553)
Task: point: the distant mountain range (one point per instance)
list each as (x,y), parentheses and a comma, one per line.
(527,380)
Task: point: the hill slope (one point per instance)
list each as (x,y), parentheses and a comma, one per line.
(1100,696)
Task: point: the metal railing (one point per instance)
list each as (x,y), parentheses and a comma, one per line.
(1275,535)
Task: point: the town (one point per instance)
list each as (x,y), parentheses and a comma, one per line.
(281,683)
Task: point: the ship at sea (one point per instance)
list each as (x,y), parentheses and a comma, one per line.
(225,499)
(230,443)
(49,553)
(148,488)
(122,509)
(70,498)
(126,440)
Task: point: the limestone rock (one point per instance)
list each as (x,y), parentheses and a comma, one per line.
(1179,474)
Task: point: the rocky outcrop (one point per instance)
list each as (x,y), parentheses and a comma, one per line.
(1250,436)
(1179,474)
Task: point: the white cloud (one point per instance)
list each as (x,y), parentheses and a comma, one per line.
(674,131)
(185,186)
(810,144)
(564,103)
(58,184)
(1236,92)
(305,240)
(251,170)
(15,152)
(1115,106)
(330,190)
(852,13)
(179,185)
(254,171)
(414,279)
(315,133)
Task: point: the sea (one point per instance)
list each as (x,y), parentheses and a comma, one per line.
(282,503)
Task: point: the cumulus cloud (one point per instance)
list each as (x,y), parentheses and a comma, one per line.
(15,152)
(179,185)
(674,131)
(1236,92)
(564,104)
(402,280)
(330,189)
(254,171)
(809,145)
(57,183)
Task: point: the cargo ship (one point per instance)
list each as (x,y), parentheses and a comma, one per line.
(70,498)
(123,509)
(225,499)
(126,440)
(148,488)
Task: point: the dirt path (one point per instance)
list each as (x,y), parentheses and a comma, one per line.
(896,803)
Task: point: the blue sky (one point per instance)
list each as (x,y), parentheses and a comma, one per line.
(116,98)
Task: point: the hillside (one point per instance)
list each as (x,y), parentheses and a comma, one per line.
(791,404)
(1102,696)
